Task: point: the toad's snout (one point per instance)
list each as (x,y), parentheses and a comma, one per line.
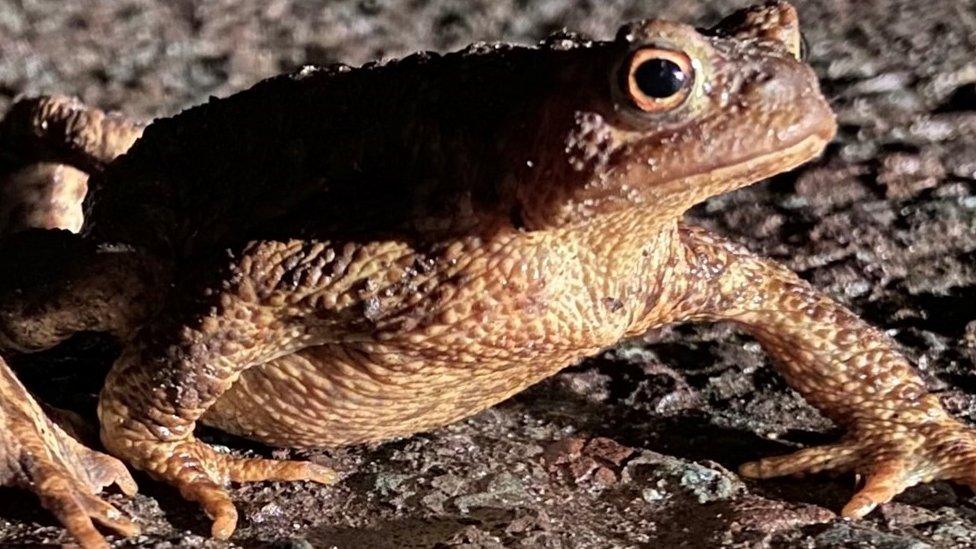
(789,106)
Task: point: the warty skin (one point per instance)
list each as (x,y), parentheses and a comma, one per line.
(347,255)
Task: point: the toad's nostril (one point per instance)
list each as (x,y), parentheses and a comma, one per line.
(778,88)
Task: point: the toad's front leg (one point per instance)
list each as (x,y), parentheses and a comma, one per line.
(175,370)
(898,434)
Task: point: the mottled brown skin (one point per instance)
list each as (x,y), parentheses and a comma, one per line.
(348,255)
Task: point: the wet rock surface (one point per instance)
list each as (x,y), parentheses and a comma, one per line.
(638,446)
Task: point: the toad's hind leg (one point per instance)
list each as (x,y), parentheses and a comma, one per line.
(49,145)
(60,285)
(53,284)
(193,354)
(36,454)
(898,434)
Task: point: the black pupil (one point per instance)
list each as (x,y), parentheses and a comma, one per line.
(659,78)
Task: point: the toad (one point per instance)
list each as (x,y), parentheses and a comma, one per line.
(345,255)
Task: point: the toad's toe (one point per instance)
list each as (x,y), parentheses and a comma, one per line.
(886,481)
(201,474)
(809,460)
(890,457)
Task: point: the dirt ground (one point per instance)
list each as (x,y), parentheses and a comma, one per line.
(635,447)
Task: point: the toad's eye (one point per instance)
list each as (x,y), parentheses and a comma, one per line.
(657,80)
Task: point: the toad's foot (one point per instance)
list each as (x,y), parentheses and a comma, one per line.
(201,474)
(37,455)
(891,456)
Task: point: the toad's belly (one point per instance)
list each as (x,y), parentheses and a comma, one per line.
(332,395)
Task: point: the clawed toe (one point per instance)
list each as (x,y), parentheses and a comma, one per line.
(104,470)
(884,479)
(809,460)
(216,503)
(889,458)
(201,474)
(70,502)
(881,485)
(107,515)
(257,469)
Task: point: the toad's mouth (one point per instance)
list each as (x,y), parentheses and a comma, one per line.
(710,181)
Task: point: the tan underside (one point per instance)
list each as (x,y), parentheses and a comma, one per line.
(331,396)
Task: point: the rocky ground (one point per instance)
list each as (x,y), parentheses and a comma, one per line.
(635,447)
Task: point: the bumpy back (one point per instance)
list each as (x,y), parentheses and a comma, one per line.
(413,149)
